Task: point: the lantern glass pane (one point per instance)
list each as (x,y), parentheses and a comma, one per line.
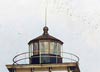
(58,49)
(53,48)
(31,49)
(35,49)
(44,47)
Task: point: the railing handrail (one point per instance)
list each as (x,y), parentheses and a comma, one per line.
(71,59)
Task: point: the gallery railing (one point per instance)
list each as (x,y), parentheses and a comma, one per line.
(24,58)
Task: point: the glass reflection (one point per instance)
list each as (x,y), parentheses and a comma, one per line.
(31,49)
(51,47)
(55,51)
(58,49)
(55,48)
(44,47)
(35,49)
(47,47)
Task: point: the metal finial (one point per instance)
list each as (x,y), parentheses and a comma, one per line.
(45,29)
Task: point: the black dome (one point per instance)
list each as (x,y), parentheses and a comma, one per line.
(45,36)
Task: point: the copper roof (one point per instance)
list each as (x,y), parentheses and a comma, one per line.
(45,36)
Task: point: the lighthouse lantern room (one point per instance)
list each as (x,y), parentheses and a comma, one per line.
(45,49)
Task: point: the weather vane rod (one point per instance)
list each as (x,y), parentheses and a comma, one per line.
(45,16)
(46,6)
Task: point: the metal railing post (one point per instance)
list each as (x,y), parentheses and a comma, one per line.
(50,69)
(32,70)
(40,57)
(56,59)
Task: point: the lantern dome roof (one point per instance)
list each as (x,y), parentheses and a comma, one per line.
(45,36)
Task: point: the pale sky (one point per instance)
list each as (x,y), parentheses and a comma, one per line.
(75,22)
